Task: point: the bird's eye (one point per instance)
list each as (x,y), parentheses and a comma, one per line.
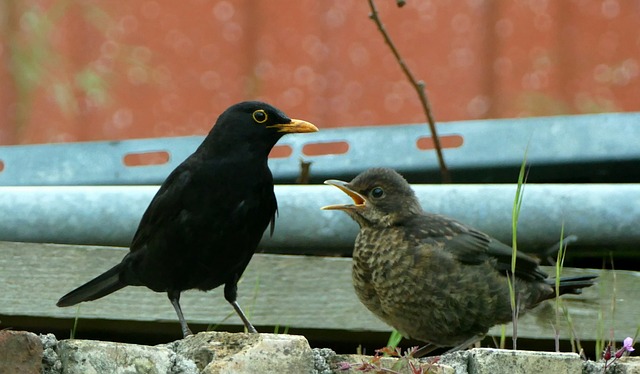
(377,192)
(260,116)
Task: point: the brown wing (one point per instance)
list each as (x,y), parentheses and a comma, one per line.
(471,246)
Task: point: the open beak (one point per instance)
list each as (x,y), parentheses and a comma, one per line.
(358,200)
(296,125)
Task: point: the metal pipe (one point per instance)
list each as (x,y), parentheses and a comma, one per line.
(604,215)
(595,147)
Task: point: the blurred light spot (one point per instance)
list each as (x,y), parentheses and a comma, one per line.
(122,118)
(427,9)
(334,17)
(610,8)
(179,41)
(314,46)
(502,66)
(426,143)
(461,57)
(29,20)
(326,148)
(319,84)
(339,104)
(602,73)
(461,23)
(535,81)
(232,32)
(304,75)
(109,49)
(292,97)
(479,106)
(141,54)
(281,151)
(103,64)
(358,55)
(630,66)
(504,28)
(114,32)
(146,158)
(393,102)
(129,23)
(264,69)
(210,80)
(223,11)
(171,102)
(538,6)
(150,9)
(137,75)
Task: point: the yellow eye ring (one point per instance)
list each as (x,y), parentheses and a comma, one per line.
(260,116)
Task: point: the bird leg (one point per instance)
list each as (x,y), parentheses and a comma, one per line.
(230,294)
(425,350)
(466,344)
(174,297)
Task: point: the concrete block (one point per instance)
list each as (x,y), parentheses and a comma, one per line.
(96,357)
(501,361)
(226,353)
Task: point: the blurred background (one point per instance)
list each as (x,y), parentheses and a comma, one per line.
(101,70)
(91,70)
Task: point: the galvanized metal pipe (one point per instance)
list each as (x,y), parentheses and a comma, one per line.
(583,147)
(603,215)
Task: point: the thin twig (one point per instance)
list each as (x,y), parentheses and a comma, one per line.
(419,87)
(305,171)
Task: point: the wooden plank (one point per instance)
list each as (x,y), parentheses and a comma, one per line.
(300,292)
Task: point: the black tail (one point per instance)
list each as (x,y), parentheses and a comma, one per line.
(100,286)
(574,285)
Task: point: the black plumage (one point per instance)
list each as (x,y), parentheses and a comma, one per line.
(206,220)
(430,277)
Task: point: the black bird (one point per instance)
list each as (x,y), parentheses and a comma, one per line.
(204,223)
(430,277)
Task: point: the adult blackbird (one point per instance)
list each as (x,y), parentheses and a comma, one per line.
(204,223)
(430,277)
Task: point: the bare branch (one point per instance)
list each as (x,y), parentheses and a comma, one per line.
(419,87)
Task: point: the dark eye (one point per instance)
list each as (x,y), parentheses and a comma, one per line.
(377,192)
(260,116)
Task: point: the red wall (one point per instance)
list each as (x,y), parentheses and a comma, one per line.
(99,70)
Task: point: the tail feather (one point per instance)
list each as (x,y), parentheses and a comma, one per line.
(102,285)
(574,285)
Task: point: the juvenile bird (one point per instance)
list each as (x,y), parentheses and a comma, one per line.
(430,277)
(204,223)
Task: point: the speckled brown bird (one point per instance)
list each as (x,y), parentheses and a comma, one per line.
(430,277)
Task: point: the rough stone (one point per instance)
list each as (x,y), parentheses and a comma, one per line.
(50,361)
(222,352)
(458,360)
(20,352)
(352,364)
(624,365)
(96,357)
(496,361)
(322,359)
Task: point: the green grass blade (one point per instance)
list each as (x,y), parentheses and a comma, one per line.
(394,339)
